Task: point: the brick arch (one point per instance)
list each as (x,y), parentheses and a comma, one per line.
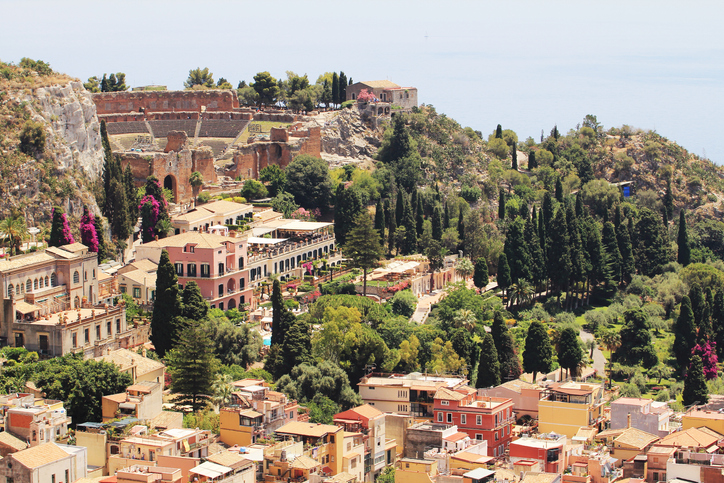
(170,183)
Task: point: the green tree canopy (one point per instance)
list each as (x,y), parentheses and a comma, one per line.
(274,177)
(363,246)
(538,354)
(488,366)
(695,390)
(166,308)
(266,88)
(570,354)
(327,379)
(309,181)
(199,77)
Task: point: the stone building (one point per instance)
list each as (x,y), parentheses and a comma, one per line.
(386,91)
(48,462)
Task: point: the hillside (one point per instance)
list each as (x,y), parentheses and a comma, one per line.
(50,147)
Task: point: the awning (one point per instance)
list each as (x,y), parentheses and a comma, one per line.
(261,231)
(25,308)
(265,241)
(210,470)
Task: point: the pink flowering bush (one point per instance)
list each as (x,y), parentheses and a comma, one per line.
(88,235)
(707,352)
(399,287)
(60,233)
(306,215)
(365,96)
(150,212)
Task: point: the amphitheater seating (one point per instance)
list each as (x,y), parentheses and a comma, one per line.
(128,127)
(162,128)
(218,128)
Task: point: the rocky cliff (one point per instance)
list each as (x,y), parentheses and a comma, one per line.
(346,138)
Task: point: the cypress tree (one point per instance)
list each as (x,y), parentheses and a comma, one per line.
(538,354)
(669,200)
(501,204)
(380,218)
(408,221)
(446,217)
(628,265)
(193,304)
(105,85)
(437,222)
(297,348)
(610,245)
(343,86)
(100,234)
(461,229)
(488,366)
(391,232)
(559,190)
(559,256)
(532,163)
(516,251)
(695,390)
(651,248)
(504,345)
(503,278)
(60,229)
(570,354)
(419,220)
(164,324)
(524,213)
(617,216)
(131,200)
(120,219)
(578,254)
(717,320)
(278,310)
(514,154)
(684,334)
(400,207)
(536,259)
(684,253)
(636,342)
(548,209)
(543,240)
(480,273)
(499,132)
(335,89)
(697,303)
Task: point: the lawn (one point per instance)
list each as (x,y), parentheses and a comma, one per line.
(264,127)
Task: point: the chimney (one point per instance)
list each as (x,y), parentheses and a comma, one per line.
(628,425)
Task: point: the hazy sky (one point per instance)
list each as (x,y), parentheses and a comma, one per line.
(524,64)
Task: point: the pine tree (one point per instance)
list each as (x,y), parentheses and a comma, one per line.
(610,246)
(538,355)
(570,354)
(348,205)
(193,367)
(532,163)
(695,390)
(651,248)
(684,254)
(480,273)
(362,247)
(684,334)
(501,204)
(193,304)
(166,307)
(505,346)
(637,347)
(488,366)
(514,154)
(335,89)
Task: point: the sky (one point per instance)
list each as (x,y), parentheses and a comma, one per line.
(527,64)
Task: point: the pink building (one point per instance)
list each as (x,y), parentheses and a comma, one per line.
(218,264)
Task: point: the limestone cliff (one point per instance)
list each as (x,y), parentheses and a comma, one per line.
(346,137)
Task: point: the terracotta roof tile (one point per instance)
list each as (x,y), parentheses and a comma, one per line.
(39,455)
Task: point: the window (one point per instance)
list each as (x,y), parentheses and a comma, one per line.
(118,325)
(11,290)
(191,269)
(67,479)
(108,328)
(35,284)
(496,436)
(98,331)
(124,289)
(94,273)
(76,277)
(449,417)
(53,280)
(205,270)
(221,268)
(496,419)
(463,419)
(242,283)
(221,305)
(445,403)
(439,417)
(29,285)
(52,478)
(241,263)
(85,276)
(221,290)
(75,339)
(87,335)
(179,269)
(495,452)
(137,292)
(479,420)
(46,281)
(479,437)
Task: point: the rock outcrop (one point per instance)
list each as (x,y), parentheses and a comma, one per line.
(346,138)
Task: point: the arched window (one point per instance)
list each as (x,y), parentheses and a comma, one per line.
(35,284)
(46,281)
(11,290)
(53,280)
(76,277)
(29,286)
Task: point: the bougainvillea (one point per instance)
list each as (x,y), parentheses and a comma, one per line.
(707,352)
(400,286)
(60,233)
(306,215)
(365,96)
(88,235)
(150,210)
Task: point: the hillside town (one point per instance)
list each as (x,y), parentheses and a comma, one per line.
(355,289)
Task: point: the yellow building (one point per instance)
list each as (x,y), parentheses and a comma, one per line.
(565,408)
(411,470)
(696,418)
(323,442)
(239,426)
(632,442)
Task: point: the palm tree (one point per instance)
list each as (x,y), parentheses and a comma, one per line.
(14,229)
(196,180)
(521,292)
(464,268)
(164,228)
(465,319)
(222,390)
(612,340)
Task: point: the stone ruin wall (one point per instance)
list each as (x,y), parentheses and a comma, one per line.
(155,101)
(249,160)
(178,161)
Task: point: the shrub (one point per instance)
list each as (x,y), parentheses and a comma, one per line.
(404,303)
(203,197)
(471,194)
(348,104)
(32,138)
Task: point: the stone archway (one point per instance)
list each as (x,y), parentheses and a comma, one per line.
(232,304)
(169,183)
